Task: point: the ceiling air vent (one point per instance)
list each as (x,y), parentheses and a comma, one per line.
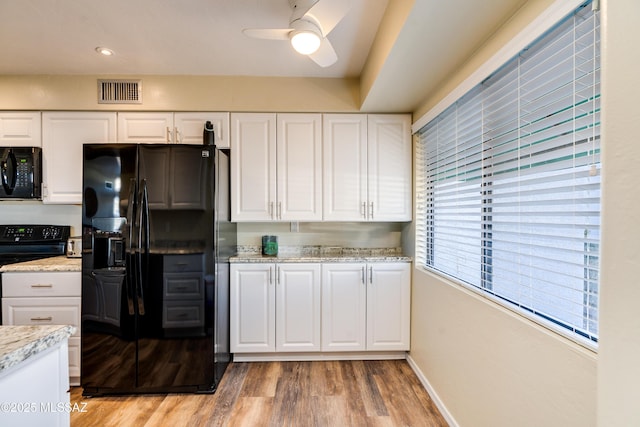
(119,91)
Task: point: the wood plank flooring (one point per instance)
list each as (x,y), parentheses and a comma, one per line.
(331,393)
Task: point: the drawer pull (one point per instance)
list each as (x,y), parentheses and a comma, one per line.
(42,319)
(42,286)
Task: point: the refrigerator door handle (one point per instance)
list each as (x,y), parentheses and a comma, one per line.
(130,279)
(131,206)
(143,244)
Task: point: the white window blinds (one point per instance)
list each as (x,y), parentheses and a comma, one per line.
(508,185)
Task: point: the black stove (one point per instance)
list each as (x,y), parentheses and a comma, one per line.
(19,243)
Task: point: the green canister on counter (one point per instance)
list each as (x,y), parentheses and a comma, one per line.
(270,245)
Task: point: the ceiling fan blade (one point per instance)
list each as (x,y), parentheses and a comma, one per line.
(328,13)
(268,33)
(325,55)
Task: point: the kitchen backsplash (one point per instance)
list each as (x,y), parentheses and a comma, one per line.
(325,234)
(34,212)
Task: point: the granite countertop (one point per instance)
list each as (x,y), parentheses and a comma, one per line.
(59,263)
(18,343)
(299,254)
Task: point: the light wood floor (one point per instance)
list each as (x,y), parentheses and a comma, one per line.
(334,393)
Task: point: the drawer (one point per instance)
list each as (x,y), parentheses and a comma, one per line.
(42,311)
(183,286)
(51,284)
(182,314)
(179,263)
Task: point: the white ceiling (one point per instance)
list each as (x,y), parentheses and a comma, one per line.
(204,37)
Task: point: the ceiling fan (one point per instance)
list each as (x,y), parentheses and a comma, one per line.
(309,25)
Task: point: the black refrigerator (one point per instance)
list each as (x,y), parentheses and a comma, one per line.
(156,243)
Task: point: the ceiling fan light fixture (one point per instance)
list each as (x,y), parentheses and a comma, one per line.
(305,42)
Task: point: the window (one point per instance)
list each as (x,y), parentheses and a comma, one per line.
(508,185)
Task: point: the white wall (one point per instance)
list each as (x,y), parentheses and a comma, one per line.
(619,353)
(491,367)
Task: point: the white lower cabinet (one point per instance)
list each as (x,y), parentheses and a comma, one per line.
(275,307)
(51,298)
(313,307)
(366,306)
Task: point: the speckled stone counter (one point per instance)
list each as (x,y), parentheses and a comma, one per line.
(321,254)
(59,263)
(18,343)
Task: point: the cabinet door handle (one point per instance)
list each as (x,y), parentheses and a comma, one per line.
(371,275)
(168,134)
(42,319)
(279,210)
(271,209)
(363,274)
(39,285)
(178,135)
(270,275)
(363,209)
(371,216)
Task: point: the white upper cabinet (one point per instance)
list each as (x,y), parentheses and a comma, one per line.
(253,166)
(145,127)
(389,167)
(189,128)
(367,167)
(176,128)
(345,167)
(63,134)
(299,167)
(276,167)
(20,129)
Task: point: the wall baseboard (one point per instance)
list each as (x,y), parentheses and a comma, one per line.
(434,396)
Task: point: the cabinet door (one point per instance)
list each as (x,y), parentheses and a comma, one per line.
(298,307)
(187,178)
(190,126)
(252,308)
(253,173)
(140,127)
(345,167)
(344,296)
(20,129)
(388,306)
(155,168)
(63,134)
(299,167)
(389,167)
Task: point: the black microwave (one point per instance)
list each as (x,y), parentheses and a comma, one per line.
(21,172)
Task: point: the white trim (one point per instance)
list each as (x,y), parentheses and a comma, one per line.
(432,393)
(545,21)
(312,356)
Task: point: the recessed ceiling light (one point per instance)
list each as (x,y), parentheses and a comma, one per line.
(104,51)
